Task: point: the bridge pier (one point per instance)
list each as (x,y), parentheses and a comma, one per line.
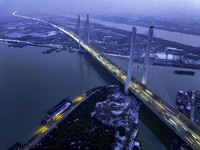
(147,53)
(132,49)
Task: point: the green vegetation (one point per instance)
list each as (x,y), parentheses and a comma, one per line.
(79,130)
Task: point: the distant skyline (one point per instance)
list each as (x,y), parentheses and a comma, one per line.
(165,8)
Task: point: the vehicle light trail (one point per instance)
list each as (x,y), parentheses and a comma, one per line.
(44,130)
(78,99)
(181,125)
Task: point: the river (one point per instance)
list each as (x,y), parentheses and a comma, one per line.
(182,38)
(32,82)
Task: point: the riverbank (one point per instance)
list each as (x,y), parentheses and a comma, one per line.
(51,125)
(81,130)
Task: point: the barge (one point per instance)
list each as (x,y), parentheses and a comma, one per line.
(59,105)
(57,110)
(181,72)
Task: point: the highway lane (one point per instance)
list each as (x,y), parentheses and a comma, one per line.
(187,130)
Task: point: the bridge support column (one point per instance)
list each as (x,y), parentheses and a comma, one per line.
(79,32)
(88,29)
(147,53)
(132,49)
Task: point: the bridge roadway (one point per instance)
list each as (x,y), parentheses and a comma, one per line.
(181,125)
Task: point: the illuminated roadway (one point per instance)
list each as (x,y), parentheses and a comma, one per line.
(44,130)
(181,125)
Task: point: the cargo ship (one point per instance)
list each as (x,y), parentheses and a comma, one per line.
(179,72)
(59,105)
(56,110)
(62,109)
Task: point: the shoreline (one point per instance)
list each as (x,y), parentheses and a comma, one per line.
(88,99)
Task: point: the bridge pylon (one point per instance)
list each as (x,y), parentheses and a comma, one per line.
(88,29)
(78,26)
(147,53)
(132,49)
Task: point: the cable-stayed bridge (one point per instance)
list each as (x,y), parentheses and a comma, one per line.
(180,124)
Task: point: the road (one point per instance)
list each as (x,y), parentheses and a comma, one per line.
(48,128)
(181,125)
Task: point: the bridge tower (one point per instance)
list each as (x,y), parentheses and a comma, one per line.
(132,49)
(88,29)
(147,53)
(79,32)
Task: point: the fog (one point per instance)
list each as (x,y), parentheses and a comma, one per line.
(181,8)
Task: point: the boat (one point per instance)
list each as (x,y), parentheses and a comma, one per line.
(62,109)
(59,105)
(181,72)
(46,120)
(49,51)
(57,110)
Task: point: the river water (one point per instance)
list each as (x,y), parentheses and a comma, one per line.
(182,38)
(32,82)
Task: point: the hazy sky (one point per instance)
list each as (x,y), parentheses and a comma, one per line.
(150,7)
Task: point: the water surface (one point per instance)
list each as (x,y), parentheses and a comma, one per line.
(182,38)
(32,82)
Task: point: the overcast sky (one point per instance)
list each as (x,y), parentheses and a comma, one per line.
(146,7)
